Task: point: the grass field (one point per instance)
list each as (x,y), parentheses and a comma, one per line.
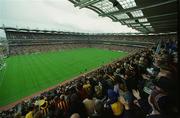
(28,74)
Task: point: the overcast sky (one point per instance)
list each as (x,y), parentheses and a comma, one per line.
(55,14)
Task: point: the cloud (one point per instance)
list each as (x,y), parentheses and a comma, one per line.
(56,14)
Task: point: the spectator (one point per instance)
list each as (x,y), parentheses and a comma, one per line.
(115,104)
(89,103)
(63,104)
(75,115)
(30,112)
(77,107)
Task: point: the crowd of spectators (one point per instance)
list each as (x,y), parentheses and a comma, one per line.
(29,49)
(142,85)
(18,35)
(1,50)
(32,41)
(2,56)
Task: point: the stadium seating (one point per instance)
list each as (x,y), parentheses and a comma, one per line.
(23,42)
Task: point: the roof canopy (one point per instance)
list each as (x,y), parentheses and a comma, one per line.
(13,29)
(147,16)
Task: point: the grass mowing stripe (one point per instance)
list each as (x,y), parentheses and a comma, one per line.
(48,67)
(27,74)
(33,73)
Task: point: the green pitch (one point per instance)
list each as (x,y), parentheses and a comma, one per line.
(28,74)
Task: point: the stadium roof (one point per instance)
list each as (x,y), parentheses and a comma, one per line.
(13,29)
(147,16)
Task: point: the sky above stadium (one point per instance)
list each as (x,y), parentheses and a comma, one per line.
(56,15)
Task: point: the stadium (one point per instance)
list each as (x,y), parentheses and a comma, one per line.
(76,73)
